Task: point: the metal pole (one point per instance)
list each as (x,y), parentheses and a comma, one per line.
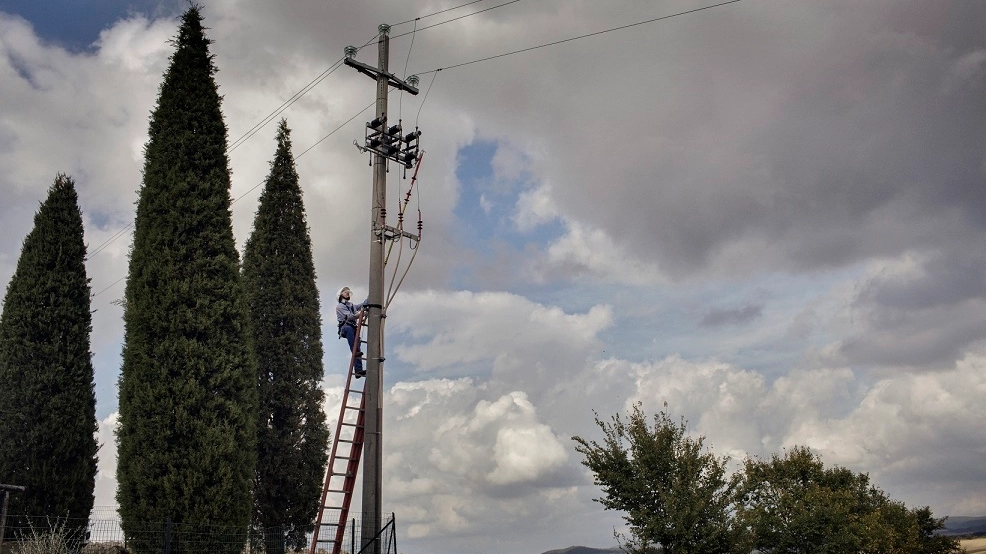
(3,518)
(373,389)
(7,489)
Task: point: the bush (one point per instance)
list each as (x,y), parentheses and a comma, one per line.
(56,539)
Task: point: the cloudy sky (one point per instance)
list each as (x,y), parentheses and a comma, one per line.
(768,215)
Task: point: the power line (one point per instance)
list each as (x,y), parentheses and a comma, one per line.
(111,285)
(437,13)
(338,63)
(287,104)
(120,233)
(427,92)
(290,101)
(109,241)
(334,130)
(458,18)
(620,28)
(297,96)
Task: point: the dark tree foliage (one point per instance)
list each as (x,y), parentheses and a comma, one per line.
(677,496)
(47,396)
(188,395)
(279,279)
(793,504)
(673,492)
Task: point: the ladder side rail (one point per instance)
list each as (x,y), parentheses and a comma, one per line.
(329,470)
(352,469)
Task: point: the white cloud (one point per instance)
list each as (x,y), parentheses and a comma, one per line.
(457,462)
(587,251)
(105,493)
(785,146)
(534,207)
(508,333)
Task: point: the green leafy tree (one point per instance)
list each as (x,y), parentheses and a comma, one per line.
(672,491)
(188,395)
(793,504)
(928,541)
(279,277)
(47,397)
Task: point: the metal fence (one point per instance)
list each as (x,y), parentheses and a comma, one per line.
(47,535)
(108,536)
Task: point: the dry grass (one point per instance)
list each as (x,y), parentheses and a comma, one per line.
(974,546)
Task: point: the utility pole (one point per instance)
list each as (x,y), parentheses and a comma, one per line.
(386,144)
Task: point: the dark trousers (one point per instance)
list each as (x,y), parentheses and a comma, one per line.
(349,332)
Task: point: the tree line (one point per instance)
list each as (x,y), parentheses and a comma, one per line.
(677,495)
(220,408)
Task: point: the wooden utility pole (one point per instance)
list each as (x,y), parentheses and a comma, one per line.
(385,143)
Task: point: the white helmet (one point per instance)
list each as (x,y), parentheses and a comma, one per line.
(339,295)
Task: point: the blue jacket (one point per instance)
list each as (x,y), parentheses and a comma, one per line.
(348,313)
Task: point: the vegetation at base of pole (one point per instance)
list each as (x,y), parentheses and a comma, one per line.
(282,296)
(677,496)
(188,396)
(47,394)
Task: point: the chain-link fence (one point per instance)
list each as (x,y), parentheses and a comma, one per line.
(49,535)
(353,541)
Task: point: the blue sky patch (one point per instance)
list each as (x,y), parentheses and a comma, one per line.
(75,24)
(488,202)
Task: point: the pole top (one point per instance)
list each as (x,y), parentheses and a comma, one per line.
(384,29)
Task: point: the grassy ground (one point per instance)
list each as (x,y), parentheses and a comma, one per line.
(974,546)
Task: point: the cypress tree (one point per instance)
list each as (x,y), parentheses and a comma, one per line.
(188,397)
(292,434)
(47,396)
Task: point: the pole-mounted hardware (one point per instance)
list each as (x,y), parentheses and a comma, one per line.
(391,142)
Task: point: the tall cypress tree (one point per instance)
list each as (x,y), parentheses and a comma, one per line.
(188,395)
(284,308)
(47,396)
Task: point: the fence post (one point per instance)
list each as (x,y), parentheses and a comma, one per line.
(7,489)
(167,536)
(3,517)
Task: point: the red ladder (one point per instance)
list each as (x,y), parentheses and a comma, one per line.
(340,476)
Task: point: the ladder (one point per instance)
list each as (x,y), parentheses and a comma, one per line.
(340,475)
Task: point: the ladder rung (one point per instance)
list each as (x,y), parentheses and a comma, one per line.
(329,525)
(353,438)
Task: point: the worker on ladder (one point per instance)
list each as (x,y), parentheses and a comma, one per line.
(347,315)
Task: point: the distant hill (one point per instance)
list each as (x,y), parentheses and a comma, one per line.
(955,526)
(960,525)
(585,550)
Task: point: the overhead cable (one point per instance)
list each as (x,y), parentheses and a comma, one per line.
(438,12)
(458,18)
(620,28)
